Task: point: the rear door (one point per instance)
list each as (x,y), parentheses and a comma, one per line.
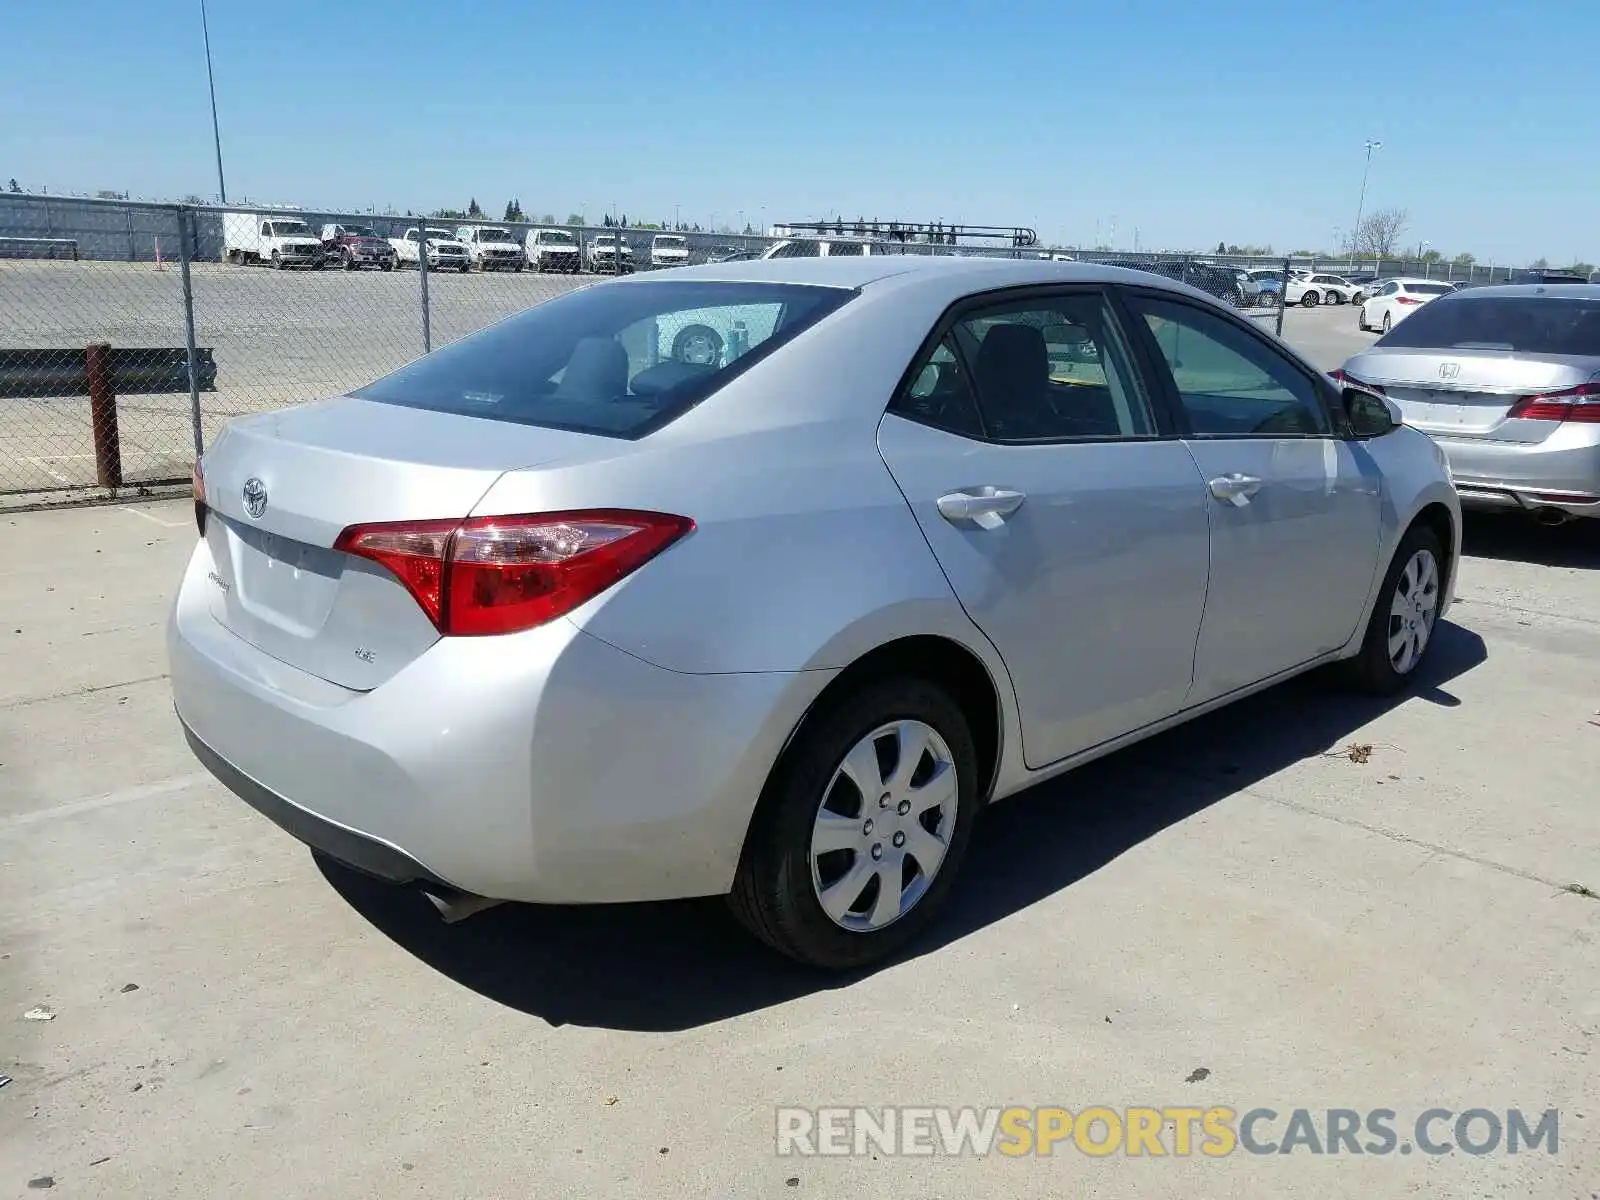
(1294,509)
(1070,523)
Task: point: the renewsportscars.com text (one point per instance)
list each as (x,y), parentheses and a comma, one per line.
(1176,1131)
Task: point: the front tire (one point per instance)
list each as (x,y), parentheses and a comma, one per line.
(277,261)
(1403,617)
(862,827)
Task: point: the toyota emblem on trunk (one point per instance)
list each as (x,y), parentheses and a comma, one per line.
(255,497)
(1449,370)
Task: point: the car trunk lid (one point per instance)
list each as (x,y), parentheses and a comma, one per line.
(1468,393)
(281,487)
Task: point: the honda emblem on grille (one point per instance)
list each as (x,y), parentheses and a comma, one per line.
(1449,370)
(255,497)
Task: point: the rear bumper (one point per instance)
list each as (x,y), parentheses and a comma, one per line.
(1561,472)
(545,766)
(365,854)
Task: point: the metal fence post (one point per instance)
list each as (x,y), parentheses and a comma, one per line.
(185,230)
(103,415)
(422,279)
(1283,296)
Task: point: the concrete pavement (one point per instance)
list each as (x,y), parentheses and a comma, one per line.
(1238,903)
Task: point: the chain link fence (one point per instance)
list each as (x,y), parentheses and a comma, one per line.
(132,333)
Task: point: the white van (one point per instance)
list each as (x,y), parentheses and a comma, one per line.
(281,241)
(491,248)
(553,250)
(823,248)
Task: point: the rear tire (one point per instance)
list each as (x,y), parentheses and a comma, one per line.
(277,261)
(349,261)
(1310,300)
(1387,323)
(1404,616)
(777,892)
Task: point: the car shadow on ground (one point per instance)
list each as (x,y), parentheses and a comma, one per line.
(675,966)
(1516,537)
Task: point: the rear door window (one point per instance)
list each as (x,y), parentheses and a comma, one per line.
(619,361)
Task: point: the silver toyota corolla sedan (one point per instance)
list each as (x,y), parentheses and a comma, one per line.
(762,578)
(1507,380)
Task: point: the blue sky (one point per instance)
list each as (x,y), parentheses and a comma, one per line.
(1189,123)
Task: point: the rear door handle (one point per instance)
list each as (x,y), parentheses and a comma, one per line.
(1235,488)
(985,507)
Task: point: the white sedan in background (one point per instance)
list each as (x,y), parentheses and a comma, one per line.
(1396,300)
(1313,289)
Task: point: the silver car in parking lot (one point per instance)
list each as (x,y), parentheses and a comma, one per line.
(558,614)
(1507,380)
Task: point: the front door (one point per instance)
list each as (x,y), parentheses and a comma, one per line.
(1294,508)
(1073,533)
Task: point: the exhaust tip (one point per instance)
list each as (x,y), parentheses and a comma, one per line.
(1551,517)
(458,906)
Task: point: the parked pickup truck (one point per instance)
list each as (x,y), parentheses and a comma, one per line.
(281,241)
(553,250)
(356,246)
(444,252)
(669,250)
(602,254)
(491,248)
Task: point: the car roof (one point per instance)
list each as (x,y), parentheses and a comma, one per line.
(1556,291)
(957,275)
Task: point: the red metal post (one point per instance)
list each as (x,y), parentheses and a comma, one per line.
(103,416)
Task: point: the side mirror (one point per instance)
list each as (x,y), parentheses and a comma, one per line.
(1370,415)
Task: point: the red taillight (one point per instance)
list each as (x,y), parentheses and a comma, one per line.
(489,575)
(1345,379)
(1581,403)
(1407,300)
(198,485)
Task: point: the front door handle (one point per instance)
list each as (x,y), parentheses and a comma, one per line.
(1235,488)
(985,507)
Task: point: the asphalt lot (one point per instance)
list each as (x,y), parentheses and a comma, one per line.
(281,338)
(1238,903)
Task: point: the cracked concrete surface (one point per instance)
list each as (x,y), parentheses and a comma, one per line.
(1236,896)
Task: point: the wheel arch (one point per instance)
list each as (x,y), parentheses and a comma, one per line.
(940,660)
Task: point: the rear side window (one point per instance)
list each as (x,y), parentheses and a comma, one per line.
(619,361)
(1529,324)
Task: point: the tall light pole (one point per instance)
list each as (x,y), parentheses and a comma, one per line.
(1361,205)
(216,131)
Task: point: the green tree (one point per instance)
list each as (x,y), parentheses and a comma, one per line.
(1464,259)
(1432,256)
(1222,248)
(451,214)
(472,208)
(514,211)
(572,219)
(1582,268)
(1540,264)
(13,186)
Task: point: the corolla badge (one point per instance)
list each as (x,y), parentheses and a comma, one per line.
(255,497)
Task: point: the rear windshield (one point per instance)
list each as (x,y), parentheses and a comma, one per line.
(1428,289)
(619,360)
(1530,324)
